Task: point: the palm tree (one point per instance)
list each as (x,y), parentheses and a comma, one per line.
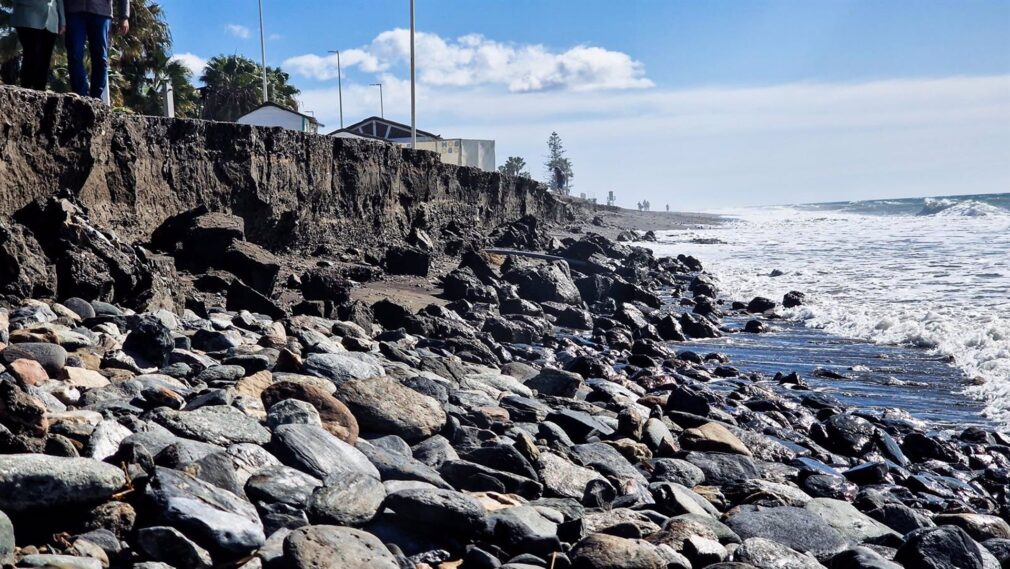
(233,87)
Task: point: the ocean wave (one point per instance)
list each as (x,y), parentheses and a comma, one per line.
(946,207)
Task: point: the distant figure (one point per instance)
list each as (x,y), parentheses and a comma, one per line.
(37,22)
(667,208)
(89,22)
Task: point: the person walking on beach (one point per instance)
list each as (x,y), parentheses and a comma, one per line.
(89,22)
(37,22)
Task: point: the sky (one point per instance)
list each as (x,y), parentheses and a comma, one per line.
(701,105)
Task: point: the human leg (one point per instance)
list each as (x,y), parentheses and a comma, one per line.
(76,36)
(98,45)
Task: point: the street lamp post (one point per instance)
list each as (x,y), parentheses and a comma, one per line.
(340,88)
(263,55)
(413,97)
(382,105)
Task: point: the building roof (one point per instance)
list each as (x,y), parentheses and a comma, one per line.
(358,128)
(283,108)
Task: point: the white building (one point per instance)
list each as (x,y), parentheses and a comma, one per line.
(455,151)
(272,114)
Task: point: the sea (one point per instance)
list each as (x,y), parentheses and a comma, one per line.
(907,300)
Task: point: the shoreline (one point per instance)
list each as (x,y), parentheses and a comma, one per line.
(544,413)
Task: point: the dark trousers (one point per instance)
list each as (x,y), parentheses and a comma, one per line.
(38,54)
(83,27)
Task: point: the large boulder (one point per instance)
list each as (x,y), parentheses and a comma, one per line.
(35,482)
(334,547)
(793,527)
(546,283)
(384,406)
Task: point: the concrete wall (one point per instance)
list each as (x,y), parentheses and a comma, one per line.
(462,152)
(275,117)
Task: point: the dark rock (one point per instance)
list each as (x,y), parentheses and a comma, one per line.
(282,484)
(760,304)
(401,260)
(453,511)
(555,382)
(946,547)
(27,272)
(169,545)
(722,469)
(243,297)
(326,283)
(149,341)
(755,327)
(848,434)
(254,265)
(334,415)
(793,298)
(551,282)
(695,326)
(669,329)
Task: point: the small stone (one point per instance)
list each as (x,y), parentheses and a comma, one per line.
(52,357)
(454,511)
(217,424)
(339,368)
(714,437)
(944,547)
(602,551)
(315,451)
(28,372)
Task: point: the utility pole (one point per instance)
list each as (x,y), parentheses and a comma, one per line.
(382,105)
(413,96)
(263,55)
(340,88)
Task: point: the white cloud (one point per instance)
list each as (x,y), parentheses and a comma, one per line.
(238,31)
(275,37)
(705,147)
(195,63)
(474,60)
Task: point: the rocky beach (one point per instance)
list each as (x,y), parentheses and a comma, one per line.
(346,355)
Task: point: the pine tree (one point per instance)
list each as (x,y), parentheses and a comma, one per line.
(559,168)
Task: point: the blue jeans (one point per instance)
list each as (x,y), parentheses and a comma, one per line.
(94,29)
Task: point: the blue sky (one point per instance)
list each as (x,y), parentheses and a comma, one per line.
(700,104)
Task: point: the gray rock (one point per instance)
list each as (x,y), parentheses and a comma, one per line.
(218,424)
(339,368)
(722,469)
(767,554)
(850,522)
(333,547)
(48,561)
(315,451)
(6,539)
(349,499)
(563,477)
(31,482)
(281,484)
(793,527)
(677,470)
(454,511)
(52,357)
(602,551)
(215,518)
(861,558)
(524,528)
(293,411)
(169,545)
(384,406)
(105,440)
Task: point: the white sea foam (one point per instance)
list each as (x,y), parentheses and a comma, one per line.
(939,282)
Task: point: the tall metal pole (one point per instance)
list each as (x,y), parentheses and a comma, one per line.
(382,105)
(413,96)
(263,55)
(340,87)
